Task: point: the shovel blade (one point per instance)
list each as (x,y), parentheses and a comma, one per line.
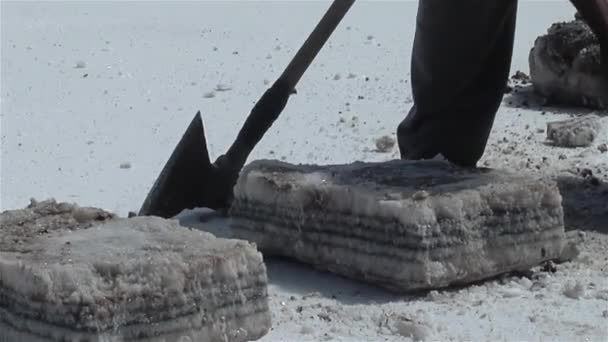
(180,184)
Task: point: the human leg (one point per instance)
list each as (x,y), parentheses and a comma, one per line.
(460,64)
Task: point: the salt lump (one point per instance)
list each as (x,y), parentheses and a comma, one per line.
(576,132)
(365,221)
(81,274)
(565,66)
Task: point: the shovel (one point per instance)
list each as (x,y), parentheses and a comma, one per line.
(189,179)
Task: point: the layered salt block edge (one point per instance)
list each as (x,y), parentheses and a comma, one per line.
(230,291)
(347,231)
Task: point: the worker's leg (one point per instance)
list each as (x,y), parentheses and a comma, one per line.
(460,65)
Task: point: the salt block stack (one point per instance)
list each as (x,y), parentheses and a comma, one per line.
(403,225)
(69,273)
(565,66)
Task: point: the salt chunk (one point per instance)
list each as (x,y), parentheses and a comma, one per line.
(566,69)
(420,195)
(406,327)
(525,283)
(575,291)
(576,132)
(385,143)
(511,292)
(602,294)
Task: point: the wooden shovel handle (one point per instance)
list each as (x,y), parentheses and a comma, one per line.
(272,103)
(311,47)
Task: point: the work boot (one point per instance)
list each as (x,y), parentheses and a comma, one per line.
(418,140)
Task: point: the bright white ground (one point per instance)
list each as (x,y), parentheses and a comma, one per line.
(101,140)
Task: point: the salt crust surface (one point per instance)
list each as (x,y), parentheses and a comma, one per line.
(71,273)
(402,225)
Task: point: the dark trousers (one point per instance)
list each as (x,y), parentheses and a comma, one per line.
(460,64)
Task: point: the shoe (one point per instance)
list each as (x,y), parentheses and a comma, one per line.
(417,140)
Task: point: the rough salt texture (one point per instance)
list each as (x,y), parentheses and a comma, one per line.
(402,225)
(577,132)
(565,66)
(80,274)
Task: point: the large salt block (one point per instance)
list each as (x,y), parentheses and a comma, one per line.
(565,66)
(403,225)
(79,274)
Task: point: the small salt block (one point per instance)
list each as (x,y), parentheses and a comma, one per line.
(565,66)
(65,276)
(367,221)
(577,132)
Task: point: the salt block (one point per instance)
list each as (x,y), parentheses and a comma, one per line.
(565,66)
(402,225)
(576,132)
(81,274)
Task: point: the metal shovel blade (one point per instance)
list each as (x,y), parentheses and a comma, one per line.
(181,182)
(190,180)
